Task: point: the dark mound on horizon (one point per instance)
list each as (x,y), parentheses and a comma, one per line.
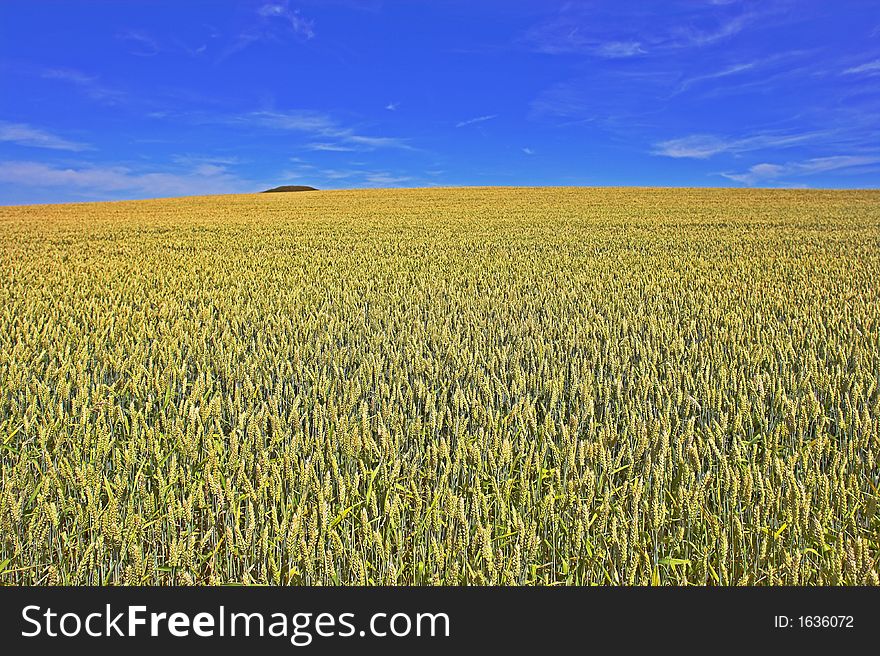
(289,188)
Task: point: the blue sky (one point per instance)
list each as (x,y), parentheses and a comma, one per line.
(136,99)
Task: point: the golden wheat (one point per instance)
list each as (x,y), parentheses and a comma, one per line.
(472,386)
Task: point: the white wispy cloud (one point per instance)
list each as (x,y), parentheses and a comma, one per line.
(338,174)
(89,85)
(382,178)
(733,69)
(144,44)
(776,69)
(392,106)
(478,119)
(99,181)
(296,120)
(330,147)
(355,177)
(528,151)
(68,75)
(192,51)
(697,146)
(766,172)
(23,134)
(868,68)
(619,49)
(726,28)
(333,135)
(300,25)
(275,22)
(195,160)
(371,143)
(703,146)
(140,43)
(757,173)
(578,28)
(565,37)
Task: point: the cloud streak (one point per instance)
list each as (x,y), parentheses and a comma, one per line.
(478,119)
(300,26)
(334,136)
(765,172)
(276,21)
(347,178)
(868,68)
(703,146)
(87,84)
(578,30)
(140,44)
(23,134)
(734,69)
(99,181)
(726,28)
(330,147)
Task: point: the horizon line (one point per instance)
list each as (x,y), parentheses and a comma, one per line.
(455,187)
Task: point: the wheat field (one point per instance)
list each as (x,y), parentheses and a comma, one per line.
(514,386)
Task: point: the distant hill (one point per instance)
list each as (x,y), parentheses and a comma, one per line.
(289,188)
